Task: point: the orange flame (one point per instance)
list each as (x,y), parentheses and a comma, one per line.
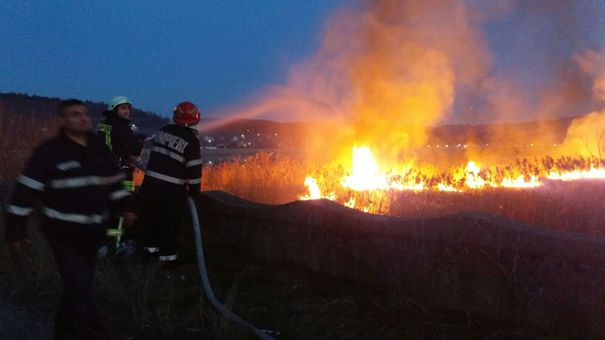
(365,175)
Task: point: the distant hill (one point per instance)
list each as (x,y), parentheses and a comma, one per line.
(256,133)
(37,106)
(264,133)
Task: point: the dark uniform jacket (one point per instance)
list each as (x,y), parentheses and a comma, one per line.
(76,186)
(175,164)
(120,138)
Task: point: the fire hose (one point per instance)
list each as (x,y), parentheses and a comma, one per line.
(206,282)
(207,288)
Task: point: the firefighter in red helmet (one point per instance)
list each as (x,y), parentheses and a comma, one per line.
(174,170)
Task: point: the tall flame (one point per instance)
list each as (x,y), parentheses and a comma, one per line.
(365,174)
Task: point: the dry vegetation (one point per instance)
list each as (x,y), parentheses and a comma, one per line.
(18,136)
(138,301)
(277,179)
(135,300)
(264,177)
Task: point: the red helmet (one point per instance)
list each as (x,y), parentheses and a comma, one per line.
(186,113)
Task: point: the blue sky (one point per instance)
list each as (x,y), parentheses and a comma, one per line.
(220,53)
(156,52)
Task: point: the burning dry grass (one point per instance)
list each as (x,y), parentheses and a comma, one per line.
(567,205)
(143,305)
(136,301)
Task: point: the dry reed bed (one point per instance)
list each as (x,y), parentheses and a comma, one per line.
(135,302)
(274,179)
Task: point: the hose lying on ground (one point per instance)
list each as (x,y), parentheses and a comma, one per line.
(206,282)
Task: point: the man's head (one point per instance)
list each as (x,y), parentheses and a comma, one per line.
(120,106)
(74,117)
(186,113)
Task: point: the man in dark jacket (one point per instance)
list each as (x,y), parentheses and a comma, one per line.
(75,179)
(119,135)
(174,170)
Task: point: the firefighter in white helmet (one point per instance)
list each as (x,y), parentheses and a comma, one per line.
(174,170)
(118,133)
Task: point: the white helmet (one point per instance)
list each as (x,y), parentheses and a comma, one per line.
(117,101)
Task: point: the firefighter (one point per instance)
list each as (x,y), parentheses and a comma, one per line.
(173,172)
(119,134)
(75,180)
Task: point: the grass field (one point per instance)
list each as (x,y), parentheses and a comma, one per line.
(140,303)
(276,179)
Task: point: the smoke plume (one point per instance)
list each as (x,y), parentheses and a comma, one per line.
(387,70)
(586,135)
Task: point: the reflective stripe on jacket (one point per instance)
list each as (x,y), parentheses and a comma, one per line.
(119,138)
(175,163)
(75,184)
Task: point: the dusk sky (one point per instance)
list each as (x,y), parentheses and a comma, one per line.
(224,53)
(155,52)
